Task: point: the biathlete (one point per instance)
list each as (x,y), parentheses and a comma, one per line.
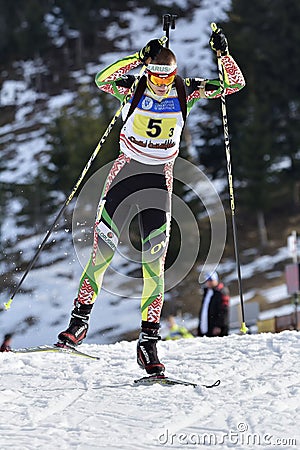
(142,175)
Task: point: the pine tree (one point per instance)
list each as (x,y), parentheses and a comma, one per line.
(264,39)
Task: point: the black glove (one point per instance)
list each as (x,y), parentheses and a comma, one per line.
(151,50)
(218,42)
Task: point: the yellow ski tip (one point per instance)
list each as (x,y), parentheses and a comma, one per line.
(7,304)
(243,328)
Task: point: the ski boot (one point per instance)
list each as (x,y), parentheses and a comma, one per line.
(147,353)
(78,326)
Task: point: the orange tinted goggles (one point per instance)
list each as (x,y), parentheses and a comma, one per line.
(161,80)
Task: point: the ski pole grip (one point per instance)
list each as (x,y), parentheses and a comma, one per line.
(162,41)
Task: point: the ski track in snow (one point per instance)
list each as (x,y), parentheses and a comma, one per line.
(59,399)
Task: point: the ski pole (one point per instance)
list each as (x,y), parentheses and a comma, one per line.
(243,328)
(79,181)
(168,21)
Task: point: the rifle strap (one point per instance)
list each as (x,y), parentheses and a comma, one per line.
(140,89)
(179,84)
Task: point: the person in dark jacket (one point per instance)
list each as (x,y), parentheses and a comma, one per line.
(213,316)
(6,344)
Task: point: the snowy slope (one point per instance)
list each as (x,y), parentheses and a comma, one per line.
(51,400)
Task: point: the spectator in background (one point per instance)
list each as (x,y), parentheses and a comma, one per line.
(213,316)
(176,331)
(6,344)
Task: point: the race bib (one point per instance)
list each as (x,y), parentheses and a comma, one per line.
(150,128)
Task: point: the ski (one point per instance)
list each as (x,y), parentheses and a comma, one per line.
(167,381)
(55,349)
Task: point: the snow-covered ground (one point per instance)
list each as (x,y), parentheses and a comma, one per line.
(58,400)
